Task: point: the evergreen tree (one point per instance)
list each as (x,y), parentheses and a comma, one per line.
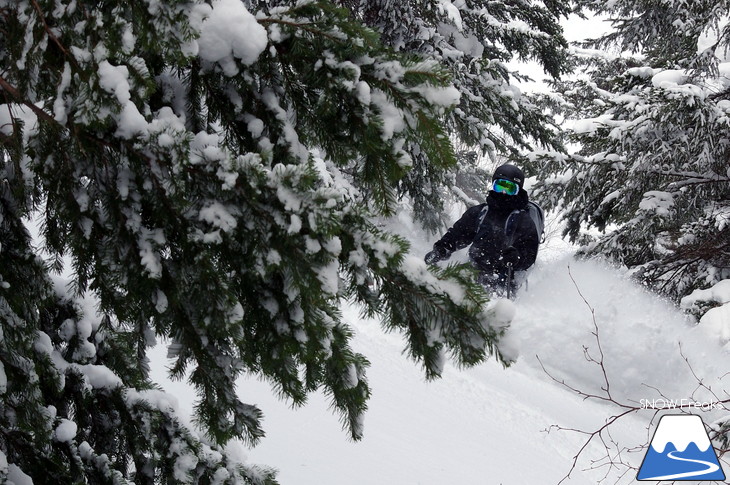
(474,41)
(650,115)
(214,179)
(651,172)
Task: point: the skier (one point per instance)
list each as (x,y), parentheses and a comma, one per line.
(501,232)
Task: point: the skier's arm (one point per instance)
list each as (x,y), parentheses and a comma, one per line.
(461,234)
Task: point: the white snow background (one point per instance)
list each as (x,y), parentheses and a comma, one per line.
(489,425)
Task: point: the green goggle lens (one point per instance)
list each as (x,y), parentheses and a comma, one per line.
(503,186)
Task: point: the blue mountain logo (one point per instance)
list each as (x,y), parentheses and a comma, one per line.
(681,450)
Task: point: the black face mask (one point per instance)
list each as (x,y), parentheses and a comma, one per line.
(506,203)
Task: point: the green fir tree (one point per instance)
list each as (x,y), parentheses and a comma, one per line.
(474,41)
(650,113)
(204,177)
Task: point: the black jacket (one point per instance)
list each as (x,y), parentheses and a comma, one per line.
(488,239)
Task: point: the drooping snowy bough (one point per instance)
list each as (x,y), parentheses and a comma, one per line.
(211,180)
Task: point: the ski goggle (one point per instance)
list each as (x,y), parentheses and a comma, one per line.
(504,186)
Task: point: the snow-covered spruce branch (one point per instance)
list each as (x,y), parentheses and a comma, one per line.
(15,94)
(49,32)
(306,26)
(195,189)
(691,177)
(681,264)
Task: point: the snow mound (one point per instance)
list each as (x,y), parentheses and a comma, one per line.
(649,349)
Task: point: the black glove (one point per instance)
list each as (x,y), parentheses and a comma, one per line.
(510,256)
(436,255)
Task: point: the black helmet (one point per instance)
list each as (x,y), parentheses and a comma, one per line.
(511,173)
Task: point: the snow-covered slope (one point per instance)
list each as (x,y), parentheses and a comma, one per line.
(488,425)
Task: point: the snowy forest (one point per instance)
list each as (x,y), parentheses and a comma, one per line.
(229,180)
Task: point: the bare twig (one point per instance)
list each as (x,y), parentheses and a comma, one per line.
(580,392)
(700,382)
(595,333)
(591,435)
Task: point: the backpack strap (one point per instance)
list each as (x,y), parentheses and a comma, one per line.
(483,215)
(538,219)
(510,227)
(480,221)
